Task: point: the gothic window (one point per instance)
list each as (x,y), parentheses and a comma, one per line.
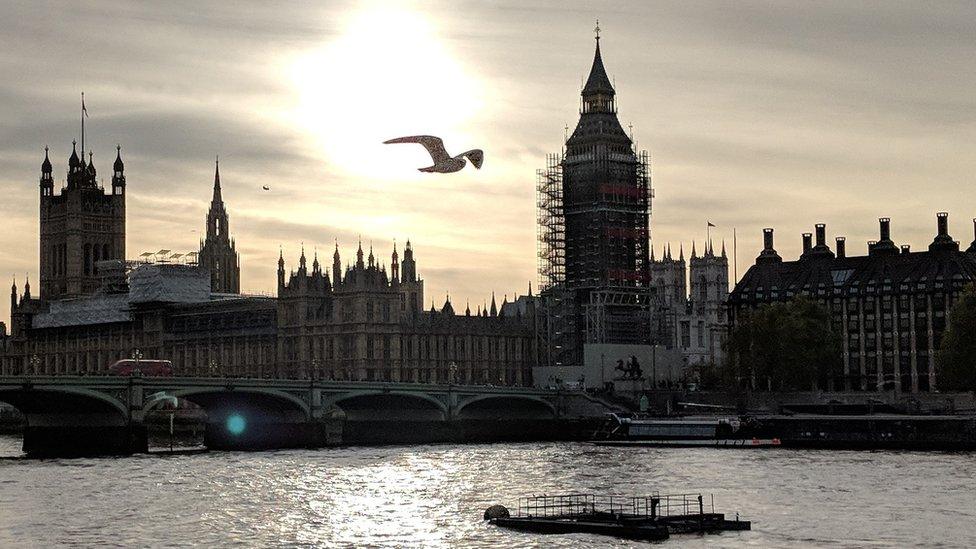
(105,252)
(88,257)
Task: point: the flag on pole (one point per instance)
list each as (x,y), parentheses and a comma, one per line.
(84,110)
(710,224)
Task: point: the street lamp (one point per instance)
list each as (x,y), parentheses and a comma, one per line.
(452,373)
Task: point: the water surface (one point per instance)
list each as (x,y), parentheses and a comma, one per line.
(434,495)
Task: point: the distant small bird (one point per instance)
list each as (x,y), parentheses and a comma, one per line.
(265,187)
(443,162)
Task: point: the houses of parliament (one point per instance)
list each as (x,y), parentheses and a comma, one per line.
(360,322)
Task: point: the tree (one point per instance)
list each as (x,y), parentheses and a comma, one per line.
(956,358)
(784,346)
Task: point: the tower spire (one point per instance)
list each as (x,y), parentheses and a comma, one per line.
(216,190)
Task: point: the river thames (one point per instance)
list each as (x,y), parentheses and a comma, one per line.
(434,496)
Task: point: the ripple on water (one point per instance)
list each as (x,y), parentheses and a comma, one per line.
(433,496)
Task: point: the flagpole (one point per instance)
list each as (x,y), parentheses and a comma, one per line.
(735,259)
(82,127)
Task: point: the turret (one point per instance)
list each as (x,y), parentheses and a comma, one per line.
(409,264)
(13,300)
(395,265)
(76,168)
(118,173)
(336,266)
(90,170)
(47,177)
(281,270)
(302,268)
(359,255)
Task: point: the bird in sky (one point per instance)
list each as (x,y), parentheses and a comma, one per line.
(265,187)
(443,162)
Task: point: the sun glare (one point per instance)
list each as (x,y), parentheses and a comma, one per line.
(387,75)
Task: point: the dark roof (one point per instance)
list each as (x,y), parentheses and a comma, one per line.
(598,82)
(882,273)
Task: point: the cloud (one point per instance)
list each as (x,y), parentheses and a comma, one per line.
(755,114)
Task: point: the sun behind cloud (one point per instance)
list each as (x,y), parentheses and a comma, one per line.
(388,74)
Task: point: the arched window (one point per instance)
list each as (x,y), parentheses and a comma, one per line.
(88,258)
(105,252)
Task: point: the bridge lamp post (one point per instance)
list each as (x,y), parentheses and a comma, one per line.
(212,368)
(35,362)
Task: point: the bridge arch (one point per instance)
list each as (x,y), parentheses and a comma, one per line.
(392,405)
(34,401)
(502,406)
(211,397)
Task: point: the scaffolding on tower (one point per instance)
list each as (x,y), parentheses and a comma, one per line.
(555,323)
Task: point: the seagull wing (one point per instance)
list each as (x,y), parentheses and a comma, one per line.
(434,145)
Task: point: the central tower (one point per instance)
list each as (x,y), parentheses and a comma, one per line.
(594,207)
(218,253)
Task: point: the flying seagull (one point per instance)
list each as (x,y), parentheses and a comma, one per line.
(265,187)
(443,162)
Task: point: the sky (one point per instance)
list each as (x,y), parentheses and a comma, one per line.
(755,114)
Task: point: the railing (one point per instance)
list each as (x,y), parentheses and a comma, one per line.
(576,505)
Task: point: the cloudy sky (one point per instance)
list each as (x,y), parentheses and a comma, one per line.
(755,114)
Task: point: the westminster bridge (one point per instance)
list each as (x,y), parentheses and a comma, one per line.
(91,415)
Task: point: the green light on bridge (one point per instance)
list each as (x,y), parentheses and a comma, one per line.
(236,424)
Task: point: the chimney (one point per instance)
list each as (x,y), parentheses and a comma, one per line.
(906,249)
(841,247)
(885,228)
(821,234)
(942,241)
(768,255)
(807,242)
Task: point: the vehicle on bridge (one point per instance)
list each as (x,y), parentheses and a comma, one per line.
(152,368)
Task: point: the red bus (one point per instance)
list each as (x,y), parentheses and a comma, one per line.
(129,366)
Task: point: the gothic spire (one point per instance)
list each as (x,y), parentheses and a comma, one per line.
(681,251)
(217,199)
(494,308)
(693,252)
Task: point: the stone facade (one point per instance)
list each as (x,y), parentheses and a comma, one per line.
(889,306)
(79,226)
(368,325)
(693,322)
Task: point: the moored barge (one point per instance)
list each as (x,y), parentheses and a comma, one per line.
(648,518)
